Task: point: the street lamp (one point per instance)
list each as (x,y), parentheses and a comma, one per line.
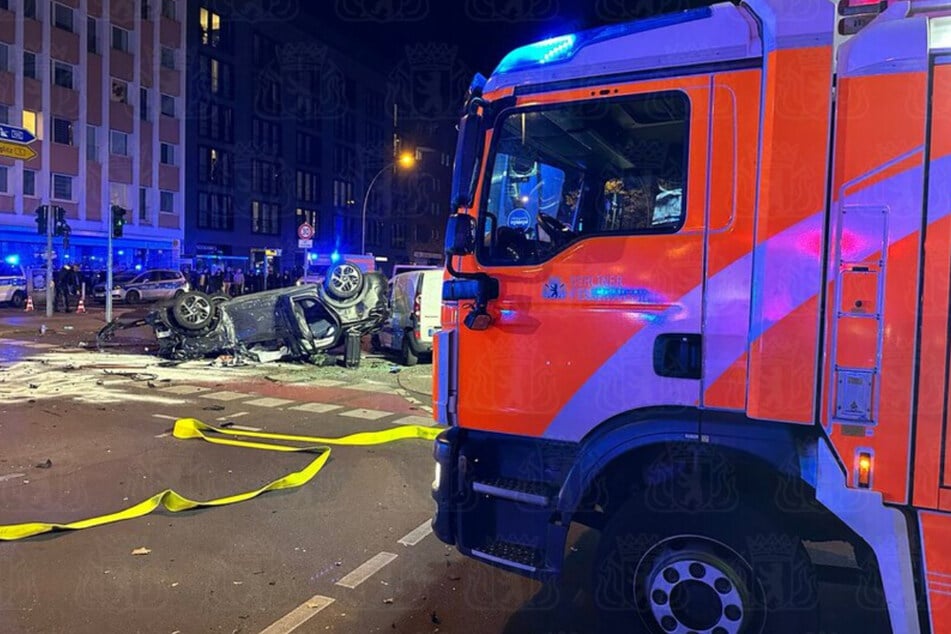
(406,161)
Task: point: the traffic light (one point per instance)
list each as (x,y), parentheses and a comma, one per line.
(60,226)
(41,220)
(118,220)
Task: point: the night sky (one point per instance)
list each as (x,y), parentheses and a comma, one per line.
(480,31)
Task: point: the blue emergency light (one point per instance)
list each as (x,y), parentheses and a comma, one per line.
(555,49)
(335,257)
(12,260)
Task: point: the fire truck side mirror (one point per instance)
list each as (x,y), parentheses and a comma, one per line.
(460,235)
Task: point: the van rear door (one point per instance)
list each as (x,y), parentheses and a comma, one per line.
(430,295)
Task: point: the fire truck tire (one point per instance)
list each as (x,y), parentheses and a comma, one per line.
(726,573)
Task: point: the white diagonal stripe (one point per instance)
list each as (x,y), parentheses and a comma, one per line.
(366,570)
(299,615)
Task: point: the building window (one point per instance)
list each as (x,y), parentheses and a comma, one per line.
(168,10)
(62,17)
(4,171)
(62,187)
(143,205)
(168,105)
(343,193)
(29,183)
(265,218)
(214,166)
(308,187)
(399,236)
(218,76)
(92,35)
(118,143)
(120,91)
(167,154)
(63,74)
(29,65)
(265,177)
(215,211)
(92,143)
(4,57)
(168,58)
(30,122)
(5,5)
(210,24)
(145,10)
(62,131)
(29,9)
(4,113)
(308,149)
(306,215)
(144,104)
(120,39)
(167,202)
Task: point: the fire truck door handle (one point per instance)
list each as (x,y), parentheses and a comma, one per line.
(678,355)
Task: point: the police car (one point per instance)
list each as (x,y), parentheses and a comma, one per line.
(133,288)
(12,284)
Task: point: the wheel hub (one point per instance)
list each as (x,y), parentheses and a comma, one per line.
(195,309)
(345,279)
(693,592)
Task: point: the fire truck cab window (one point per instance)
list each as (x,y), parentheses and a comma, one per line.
(562,173)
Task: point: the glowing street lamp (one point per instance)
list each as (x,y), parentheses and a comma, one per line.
(405,161)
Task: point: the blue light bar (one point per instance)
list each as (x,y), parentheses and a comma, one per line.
(335,257)
(564,47)
(12,260)
(556,49)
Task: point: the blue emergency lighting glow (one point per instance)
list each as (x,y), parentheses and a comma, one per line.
(138,267)
(12,260)
(121,252)
(556,49)
(313,257)
(65,256)
(335,257)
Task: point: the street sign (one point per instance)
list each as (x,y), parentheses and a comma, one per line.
(16,151)
(272,252)
(305,231)
(305,244)
(15,135)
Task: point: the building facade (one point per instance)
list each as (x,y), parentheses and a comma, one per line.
(101,85)
(281,129)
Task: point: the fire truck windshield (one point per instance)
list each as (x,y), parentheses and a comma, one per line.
(561,173)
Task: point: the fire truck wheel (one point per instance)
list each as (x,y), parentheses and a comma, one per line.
(723,573)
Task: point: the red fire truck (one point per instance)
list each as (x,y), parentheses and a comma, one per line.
(698,299)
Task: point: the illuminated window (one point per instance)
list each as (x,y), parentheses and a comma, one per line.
(210,23)
(30,119)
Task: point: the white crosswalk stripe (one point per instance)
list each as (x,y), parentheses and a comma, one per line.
(227,396)
(269,402)
(185,389)
(366,414)
(414,420)
(316,408)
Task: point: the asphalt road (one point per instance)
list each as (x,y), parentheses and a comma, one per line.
(348,552)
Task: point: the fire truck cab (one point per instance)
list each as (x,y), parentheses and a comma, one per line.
(698,298)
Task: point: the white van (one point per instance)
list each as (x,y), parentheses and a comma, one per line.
(415,305)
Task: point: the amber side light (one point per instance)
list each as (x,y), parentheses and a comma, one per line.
(865,470)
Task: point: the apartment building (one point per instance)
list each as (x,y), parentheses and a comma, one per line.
(283,128)
(101,85)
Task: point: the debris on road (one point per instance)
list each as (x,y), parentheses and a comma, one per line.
(435,619)
(141,551)
(388,601)
(45,465)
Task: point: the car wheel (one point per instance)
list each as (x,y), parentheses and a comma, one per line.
(178,293)
(132,297)
(194,310)
(694,571)
(409,357)
(343,281)
(19,299)
(220,298)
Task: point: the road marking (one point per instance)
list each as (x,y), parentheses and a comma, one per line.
(165,435)
(415,420)
(231,416)
(243,428)
(316,408)
(164,417)
(366,570)
(269,402)
(371,387)
(226,396)
(327,383)
(418,534)
(299,615)
(185,389)
(366,414)
(11,476)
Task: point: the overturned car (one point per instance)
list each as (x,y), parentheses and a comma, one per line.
(287,323)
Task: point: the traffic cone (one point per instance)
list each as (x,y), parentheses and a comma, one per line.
(81,308)
(29,303)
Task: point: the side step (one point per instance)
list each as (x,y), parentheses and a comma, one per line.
(533,493)
(511,555)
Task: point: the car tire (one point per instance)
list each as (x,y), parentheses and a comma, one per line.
(220,298)
(132,297)
(343,281)
(18,300)
(178,293)
(194,311)
(409,358)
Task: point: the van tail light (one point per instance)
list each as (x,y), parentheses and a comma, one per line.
(417,314)
(864,469)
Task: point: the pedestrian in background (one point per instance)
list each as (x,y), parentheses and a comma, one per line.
(238,288)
